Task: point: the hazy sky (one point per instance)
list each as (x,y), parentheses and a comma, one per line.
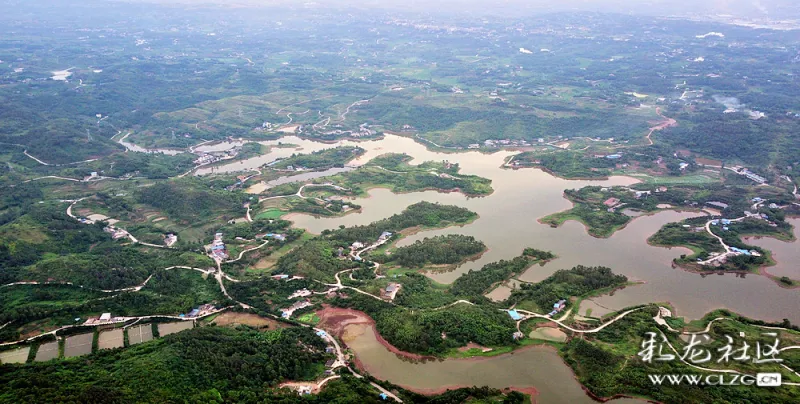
(777,9)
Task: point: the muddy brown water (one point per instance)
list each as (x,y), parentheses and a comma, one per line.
(787,254)
(507,224)
(536,366)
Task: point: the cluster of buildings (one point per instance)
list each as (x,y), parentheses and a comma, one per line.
(205,158)
(279,237)
(287,312)
(285,277)
(116,233)
(390,291)
(363,131)
(747,173)
(493,143)
(105,318)
(557,307)
(200,311)
(300,293)
(218,250)
(170,239)
(725,223)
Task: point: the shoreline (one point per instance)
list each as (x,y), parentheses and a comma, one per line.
(760,271)
(360,318)
(622,227)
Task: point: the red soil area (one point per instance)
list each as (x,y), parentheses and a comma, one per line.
(334,320)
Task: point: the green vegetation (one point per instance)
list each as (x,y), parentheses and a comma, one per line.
(691,233)
(269,214)
(393,171)
(315,258)
(607,362)
(422,214)
(449,249)
(318,207)
(476,283)
(168,292)
(148,165)
(420,292)
(44,231)
(269,295)
(563,284)
(323,159)
(421,331)
(700,242)
(188,199)
(259,226)
(568,164)
(325,75)
(603,209)
(319,258)
(206,363)
(600,209)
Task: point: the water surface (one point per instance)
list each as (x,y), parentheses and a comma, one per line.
(786,254)
(508,223)
(536,366)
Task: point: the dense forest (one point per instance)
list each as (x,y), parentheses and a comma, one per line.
(448,249)
(319,258)
(476,283)
(327,158)
(45,229)
(206,364)
(603,363)
(566,283)
(424,214)
(421,331)
(190,199)
(210,364)
(569,164)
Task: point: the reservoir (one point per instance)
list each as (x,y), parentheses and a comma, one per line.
(537,367)
(786,254)
(508,223)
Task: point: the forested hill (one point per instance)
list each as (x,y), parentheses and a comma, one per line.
(318,258)
(207,364)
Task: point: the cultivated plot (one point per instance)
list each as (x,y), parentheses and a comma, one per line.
(47,352)
(111,339)
(19,355)
(78,345)
(172,328)
(140,333)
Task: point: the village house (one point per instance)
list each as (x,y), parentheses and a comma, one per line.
(557,307)
(611,202)
(300,293)
(390,291)
(716,204)
(287,312)
(170,239)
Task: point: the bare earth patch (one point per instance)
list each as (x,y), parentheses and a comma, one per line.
(249,319)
